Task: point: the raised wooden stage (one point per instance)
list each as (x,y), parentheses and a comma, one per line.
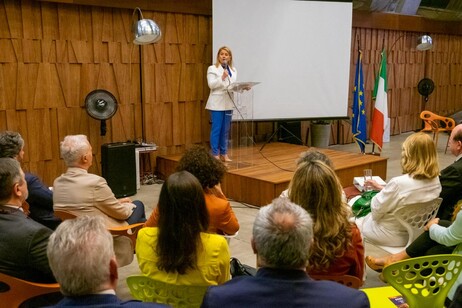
(256,180)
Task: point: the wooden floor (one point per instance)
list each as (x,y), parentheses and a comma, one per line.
(257,177)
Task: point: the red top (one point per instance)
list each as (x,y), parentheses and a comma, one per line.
(351,263)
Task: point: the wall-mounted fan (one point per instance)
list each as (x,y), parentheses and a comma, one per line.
(101,105)
(426,87)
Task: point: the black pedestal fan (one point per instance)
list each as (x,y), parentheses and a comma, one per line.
(426,87)
(101,105)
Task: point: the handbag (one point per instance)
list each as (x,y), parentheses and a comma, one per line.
(362,205)
(239,269)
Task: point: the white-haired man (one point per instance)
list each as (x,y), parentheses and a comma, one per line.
(82,258)
(80,192)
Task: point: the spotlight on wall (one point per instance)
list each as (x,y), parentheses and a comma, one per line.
(424,42)
(145,31)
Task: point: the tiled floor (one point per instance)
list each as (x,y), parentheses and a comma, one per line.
(240,245)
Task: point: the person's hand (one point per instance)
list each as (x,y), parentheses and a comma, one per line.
(225,74)
(373,184)
(431,223)
(125,200)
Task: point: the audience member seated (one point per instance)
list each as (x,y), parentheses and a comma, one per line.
(82,258)
(40,198)
(451,176)
(179,250)
(282,236)
(419,183)
(441,237)
(83,193)
(338,247)
(209,171)
(23,242)
(311,155)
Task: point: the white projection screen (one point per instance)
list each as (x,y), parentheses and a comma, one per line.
(298,50)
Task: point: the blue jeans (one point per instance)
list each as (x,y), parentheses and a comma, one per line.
(221,123)
(138,214)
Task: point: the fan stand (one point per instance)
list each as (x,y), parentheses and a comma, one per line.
(103,128)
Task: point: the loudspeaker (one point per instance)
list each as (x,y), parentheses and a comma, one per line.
(119,168)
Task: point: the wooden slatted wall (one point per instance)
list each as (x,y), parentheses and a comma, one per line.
(52,55)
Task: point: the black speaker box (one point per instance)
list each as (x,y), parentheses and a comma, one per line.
(119,167)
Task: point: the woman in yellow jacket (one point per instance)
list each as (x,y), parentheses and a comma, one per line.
(178,250)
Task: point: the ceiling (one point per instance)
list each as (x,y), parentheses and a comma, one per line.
(447,10)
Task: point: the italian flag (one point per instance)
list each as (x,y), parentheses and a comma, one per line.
(380,131)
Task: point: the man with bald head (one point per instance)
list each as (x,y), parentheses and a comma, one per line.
(451,177)
(282,236)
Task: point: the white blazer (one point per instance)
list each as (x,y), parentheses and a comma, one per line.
(219,99)
(379,226)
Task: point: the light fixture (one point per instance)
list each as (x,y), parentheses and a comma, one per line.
(424,42)
(145,31)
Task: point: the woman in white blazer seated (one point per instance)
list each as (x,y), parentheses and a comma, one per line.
(419,183)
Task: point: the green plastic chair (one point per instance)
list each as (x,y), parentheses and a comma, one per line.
(424,281)
(178,296)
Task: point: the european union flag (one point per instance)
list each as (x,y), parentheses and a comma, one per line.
(359,104)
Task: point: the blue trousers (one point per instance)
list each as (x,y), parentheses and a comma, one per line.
(138,214)
(221,123)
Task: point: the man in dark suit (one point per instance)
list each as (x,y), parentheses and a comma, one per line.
(451,177)
(282,235)
(40,198)
(23,242)
(81,255)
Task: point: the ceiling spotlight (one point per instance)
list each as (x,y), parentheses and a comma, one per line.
(145,31)
(424,42)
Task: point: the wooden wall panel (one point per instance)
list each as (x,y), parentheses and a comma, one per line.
(406,67)
(53,53)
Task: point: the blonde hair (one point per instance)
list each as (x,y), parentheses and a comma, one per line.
(317,189)
(228,50)
(456,210)
(419,158)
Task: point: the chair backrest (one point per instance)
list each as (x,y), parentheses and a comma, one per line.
(347,280)
(149,290)
(15,291)
(436,122)
(130,231)
(415,216)
(64,215)
(424,281)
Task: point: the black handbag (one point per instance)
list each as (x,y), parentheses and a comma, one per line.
(239,269)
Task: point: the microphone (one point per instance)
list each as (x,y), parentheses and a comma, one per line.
(225,66)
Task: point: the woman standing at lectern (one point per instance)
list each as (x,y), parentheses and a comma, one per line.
(220,103)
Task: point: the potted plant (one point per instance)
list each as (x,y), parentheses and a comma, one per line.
(320,133)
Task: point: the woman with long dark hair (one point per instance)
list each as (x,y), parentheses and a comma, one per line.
(178,250)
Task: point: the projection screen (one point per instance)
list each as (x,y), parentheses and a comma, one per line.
(298,50)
